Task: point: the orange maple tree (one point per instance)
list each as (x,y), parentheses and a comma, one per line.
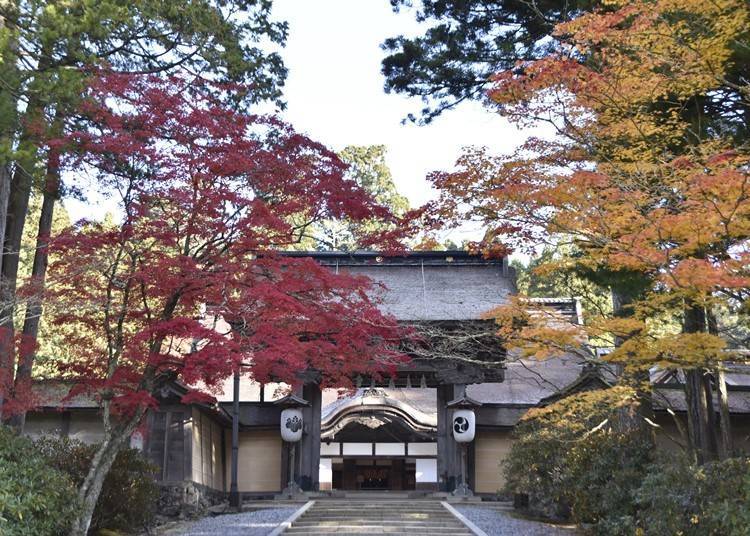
(646,175)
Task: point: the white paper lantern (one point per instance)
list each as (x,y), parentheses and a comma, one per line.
(291,425)
(464,425)
(136,440)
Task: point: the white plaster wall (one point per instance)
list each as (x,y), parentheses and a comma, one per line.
(41,424)
(390,449)
(329,449)
(357,449)
(426,470)
(325,476)
(422,449)
(86,427)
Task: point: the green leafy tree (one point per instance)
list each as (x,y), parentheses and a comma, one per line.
(567,279)
(51,343)
(465,44)
(368,168)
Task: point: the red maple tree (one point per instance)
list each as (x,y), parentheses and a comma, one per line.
(207,199)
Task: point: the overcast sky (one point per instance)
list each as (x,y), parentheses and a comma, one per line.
(335,94)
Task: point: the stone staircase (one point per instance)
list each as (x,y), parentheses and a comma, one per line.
(412,517)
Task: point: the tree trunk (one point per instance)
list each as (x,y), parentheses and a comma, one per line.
(10,76)
(700,410)
(700,431)
(6,373)
(640,380)
(680,427)
(4,194)
(88,493)
(33,314)
(17,208)
(9,129)
(18,202)
(726,429)
(725,424)
(91,488)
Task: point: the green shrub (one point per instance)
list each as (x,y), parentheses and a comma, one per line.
(679,498)
(576,459)
(35,499)
(605,472)
(129,493)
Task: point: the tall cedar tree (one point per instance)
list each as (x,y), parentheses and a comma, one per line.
(46,49)
(206,195)
(649,176)
(465,44)
(368,168)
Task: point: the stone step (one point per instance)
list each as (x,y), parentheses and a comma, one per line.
(374,529)
(412,518)
(392,522)
(430,508)
(395,517)
(384,515)
(336,500)
(360,513)
(400,504)
(437,528)
(371,512)
(370,521)
(378,531)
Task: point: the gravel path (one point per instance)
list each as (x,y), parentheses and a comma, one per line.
(256,523)
(499,523)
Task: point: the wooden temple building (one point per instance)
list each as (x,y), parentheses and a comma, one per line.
(390,435)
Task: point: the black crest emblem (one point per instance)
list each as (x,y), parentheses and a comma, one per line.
(294,423)
(460,425)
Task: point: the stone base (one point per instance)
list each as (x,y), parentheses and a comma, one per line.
(186,499)
(323,494)
(463,499)
(292,492)
(302,496)
(462,490)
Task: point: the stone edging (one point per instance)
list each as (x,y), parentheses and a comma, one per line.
(458,515)
(292,518)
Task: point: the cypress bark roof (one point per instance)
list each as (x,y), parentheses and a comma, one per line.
(429,285)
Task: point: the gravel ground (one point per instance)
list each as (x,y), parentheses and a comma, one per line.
(257,523)
(498,523)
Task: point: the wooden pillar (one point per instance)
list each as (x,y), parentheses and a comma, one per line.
(349,476)
(448,453)
(398,467)
(284,473)
(65,426)
(472,464)
(309,452)
(234,495)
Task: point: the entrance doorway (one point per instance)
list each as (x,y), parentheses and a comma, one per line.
(368,474)
(378,466)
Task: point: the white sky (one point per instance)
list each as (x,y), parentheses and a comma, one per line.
(335,92)
(335,95)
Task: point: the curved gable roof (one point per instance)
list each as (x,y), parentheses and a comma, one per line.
(369,402)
